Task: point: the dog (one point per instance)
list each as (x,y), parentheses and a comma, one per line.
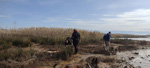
(93,64)
(68,41)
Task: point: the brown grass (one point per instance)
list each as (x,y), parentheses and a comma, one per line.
(15,45)
(48,36)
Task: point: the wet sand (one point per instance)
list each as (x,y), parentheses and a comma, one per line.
(138,58)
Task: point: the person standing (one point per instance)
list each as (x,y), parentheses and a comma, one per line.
(76,38)
(106,39)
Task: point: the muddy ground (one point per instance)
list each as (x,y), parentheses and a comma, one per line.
(49,58)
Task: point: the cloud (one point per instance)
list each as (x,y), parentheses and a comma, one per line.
(4,16)
(132,21)
(50,20)
(106,15)
(136,20)
(15,0)
(136,15)
(94,14)
(20,0)
(70,19)
(48,2)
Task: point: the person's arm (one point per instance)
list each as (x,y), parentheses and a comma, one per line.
(79,36)
(109,37)
(104,37)
(72,36)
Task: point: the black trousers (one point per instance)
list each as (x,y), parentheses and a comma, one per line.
(75,43)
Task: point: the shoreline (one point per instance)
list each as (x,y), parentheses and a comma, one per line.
(86,53)
(137,58)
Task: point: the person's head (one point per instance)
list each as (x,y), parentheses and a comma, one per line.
(109,32)
(75,30)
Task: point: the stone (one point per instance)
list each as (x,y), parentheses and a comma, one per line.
(136,53)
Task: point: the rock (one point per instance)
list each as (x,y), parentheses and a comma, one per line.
(131,58)
(126,67)
(138,67)
(142,57)
(136,53)
(143,48)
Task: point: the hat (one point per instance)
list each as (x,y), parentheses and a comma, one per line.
(75,30)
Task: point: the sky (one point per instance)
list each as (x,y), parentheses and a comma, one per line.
(117,16)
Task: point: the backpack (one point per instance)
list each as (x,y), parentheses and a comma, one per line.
(104,37)
(76,36)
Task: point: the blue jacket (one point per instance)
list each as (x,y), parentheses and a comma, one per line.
(106,37)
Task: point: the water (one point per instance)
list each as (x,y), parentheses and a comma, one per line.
(144,39)
(142,59)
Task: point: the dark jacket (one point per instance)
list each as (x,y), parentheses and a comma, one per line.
(75,36)
(106,37)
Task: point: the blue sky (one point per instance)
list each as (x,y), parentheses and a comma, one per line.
(117,16)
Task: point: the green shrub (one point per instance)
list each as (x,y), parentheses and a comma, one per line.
(22,42)
(17,42)
(26,42)
(4,55)
(7,45)
(35,39)
(29,53)
(65,53)
(20,54)
(122,41)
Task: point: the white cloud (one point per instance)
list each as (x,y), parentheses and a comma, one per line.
(70,19)
(15,0)
(20,0)
(136,13)
(94,14)
(49,2)
(4,16)
(134,21)
(50,19)
(107,15)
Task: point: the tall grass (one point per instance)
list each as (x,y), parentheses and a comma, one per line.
(17,54)
(47,36)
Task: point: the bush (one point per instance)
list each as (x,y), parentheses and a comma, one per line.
(35,39)
(29,53)
(17,42)
(4,55)
(7,45)
(26,42)
(122,41)
(65,53)
(16,54)
(143,43)
(22,42)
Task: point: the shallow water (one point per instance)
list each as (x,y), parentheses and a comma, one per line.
(144,39)
(141,59)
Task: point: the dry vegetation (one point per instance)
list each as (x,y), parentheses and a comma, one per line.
(17,44)
(24,46)
(50,36)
